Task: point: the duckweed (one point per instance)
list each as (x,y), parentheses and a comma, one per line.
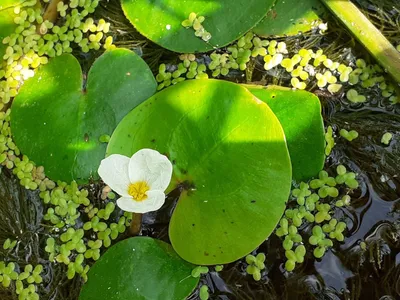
(348,135)
(353,96)
(330,141)
(36,39)
(195,22)
(199,270)
(9,244)
(315,203)
(219,268)
(386,138)
(73,242)
(304,67)
(255,265)
(345,177)
(25,282)
(204,294)
(105,138)
(363,246)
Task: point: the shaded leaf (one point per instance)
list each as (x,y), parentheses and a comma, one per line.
(290,17)
(300,115)
(160,21)
(57,123)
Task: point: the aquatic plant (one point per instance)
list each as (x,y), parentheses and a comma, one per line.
(204,292)
(76,154)
(200,146)
(330,141)
(35,39)
(140,261)
(387,136)
(199,270)
(204,214)
(24,281)
(304,67)
(304,131)
(315,207)
(348,135)
(368,35)
(140,180)
(195,21)
(255,265)
(170,34)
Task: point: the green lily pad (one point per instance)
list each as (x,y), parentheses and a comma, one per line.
(139,268)
(300,115)
(57,123)
(289,17)
(230,157)
(160,21)
(7,25)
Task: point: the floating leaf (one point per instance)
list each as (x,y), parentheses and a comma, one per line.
(7,25)
(160,21)
(229,154)
(57,123)
(139,268)
(289,17)
(300,115)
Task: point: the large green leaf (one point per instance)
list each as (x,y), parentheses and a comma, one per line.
(230,157)
(7,25)
(226,20)
(57,123)
(300,115)
(139,268)
(289,17)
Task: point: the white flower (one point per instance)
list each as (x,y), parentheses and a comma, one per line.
(140,180)
(323,27)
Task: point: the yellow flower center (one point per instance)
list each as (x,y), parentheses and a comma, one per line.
(138,190)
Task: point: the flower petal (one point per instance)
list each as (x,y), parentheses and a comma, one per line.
(154,201)
(127,204)
(114,172)
(150,166)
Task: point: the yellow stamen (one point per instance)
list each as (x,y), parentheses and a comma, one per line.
(138,190)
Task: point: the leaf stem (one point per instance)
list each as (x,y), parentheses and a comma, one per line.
(367,34)
(51,12)
(136,224)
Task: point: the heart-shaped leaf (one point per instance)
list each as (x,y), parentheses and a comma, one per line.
(290,17)
(230,157)
(300,115)
(226,20)
(57,123)
(139,268)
